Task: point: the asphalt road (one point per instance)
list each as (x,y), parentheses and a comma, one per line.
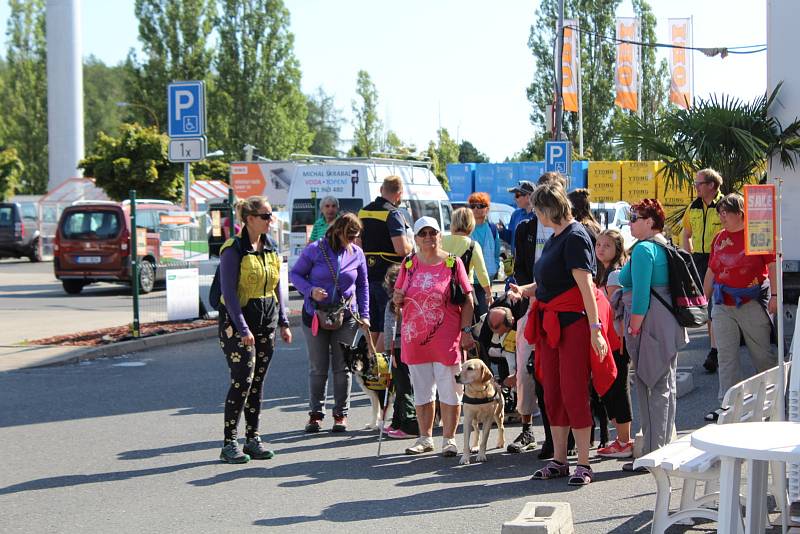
(131,445)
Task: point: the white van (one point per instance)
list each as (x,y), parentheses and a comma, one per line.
(354,181)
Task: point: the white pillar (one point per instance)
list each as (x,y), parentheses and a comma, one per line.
(64,90)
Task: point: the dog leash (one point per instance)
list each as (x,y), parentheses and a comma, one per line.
(388,385)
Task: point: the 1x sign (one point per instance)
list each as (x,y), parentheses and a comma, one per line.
(186,109)
(187,149)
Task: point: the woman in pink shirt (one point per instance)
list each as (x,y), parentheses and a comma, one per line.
(432,332)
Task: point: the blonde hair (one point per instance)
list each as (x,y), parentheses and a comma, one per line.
(552,177)
(392,184)
(250,206)
(463,221)
(551,200)
(710,175)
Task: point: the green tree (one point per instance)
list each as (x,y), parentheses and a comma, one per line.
(24,93)
(175,37)
(734,137)
(397,148)
(442,152)
(103,89)
(324,121)
(211,169)
(257,91)
(598,56)
(467,153)
(366,123)
(11,167)
(137,159)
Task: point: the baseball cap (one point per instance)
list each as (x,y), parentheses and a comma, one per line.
(423,222)
(524,186)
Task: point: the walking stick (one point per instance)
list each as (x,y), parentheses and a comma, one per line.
(388,386)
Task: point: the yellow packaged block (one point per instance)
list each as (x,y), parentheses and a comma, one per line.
(674,193)
(638,180)
(605,181)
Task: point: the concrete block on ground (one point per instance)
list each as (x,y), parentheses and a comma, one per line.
(542,518)
(685,383)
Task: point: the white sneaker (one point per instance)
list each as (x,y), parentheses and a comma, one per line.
(449,447)
(423,444)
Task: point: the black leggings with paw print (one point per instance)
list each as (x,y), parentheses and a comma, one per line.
(248,366)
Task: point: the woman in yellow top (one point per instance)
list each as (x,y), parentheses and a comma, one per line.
(250,313)
(458,242)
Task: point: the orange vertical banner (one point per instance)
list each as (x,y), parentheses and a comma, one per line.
(759,219)
(570,66)
(628,72)
(680,62)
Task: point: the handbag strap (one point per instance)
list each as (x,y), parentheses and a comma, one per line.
(334,274)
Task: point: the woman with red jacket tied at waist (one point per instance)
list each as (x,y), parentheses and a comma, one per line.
(570,323)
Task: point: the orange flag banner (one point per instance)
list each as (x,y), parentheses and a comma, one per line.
(628,70)
(570,65)
(680,62)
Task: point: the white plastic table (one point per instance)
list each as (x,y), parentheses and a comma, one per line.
(757,444)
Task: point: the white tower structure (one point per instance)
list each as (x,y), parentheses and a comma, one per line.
(64,90)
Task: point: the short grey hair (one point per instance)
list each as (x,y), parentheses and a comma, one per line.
(329,199)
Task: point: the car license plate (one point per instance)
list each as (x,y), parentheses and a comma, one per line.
(88,259)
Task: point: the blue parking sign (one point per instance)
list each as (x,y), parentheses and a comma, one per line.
(558,157)
(186,109)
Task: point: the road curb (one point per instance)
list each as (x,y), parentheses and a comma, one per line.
(138,345)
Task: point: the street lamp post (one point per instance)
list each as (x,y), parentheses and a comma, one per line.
(146,108)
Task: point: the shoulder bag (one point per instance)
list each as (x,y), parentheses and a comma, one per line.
(331,316)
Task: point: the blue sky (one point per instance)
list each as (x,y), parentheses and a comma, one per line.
(454,63)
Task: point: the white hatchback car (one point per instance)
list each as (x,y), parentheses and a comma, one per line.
(615,215)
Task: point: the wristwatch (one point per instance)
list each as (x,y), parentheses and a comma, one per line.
(467,329)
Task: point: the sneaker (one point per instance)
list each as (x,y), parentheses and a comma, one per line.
(339,423)
(257,450)
(617,449)
(524,442)
(449,448)
(232,454)
(711,362)
(423,444)
(313,422)
(396,433)
(628,468)
(388,428)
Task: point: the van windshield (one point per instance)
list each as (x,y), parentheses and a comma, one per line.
(303,211)
(101,224)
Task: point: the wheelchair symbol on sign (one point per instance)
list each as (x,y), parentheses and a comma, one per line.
(190,123)
(561,167)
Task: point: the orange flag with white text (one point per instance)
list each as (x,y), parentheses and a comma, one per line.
(627,72)
(570,65)
(680,62)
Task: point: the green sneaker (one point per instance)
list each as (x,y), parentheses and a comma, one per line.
(257,450)
(232,454)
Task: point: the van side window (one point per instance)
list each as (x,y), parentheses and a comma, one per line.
(423,208)
(446,215)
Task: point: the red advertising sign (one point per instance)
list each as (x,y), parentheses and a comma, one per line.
(759,219)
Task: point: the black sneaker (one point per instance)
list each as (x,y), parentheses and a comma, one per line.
(257,450)
(232,454)
(524,442)
(711,362)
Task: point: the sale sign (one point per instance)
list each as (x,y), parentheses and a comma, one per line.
(759,219)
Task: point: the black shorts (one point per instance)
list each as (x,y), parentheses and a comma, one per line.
(378,299)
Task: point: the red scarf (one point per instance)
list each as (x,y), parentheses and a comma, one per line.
(603,372)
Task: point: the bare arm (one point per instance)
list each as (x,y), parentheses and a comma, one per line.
(686,240)
(586,287)
(773,289)
(708,283)
(467,310)
(402,246)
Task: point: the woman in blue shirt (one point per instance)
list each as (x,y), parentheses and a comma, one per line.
(652,334)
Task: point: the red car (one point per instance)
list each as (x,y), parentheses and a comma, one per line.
(92,243)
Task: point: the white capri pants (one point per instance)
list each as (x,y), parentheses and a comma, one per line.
(427,378)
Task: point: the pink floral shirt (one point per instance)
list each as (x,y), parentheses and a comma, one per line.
(431,329)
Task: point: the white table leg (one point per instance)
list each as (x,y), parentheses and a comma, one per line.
(756,496)
(730,477)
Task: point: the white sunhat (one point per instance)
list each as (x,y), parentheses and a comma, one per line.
(423,222)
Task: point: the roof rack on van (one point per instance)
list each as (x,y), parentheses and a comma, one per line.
(148,201)
(85,202)
(372,159)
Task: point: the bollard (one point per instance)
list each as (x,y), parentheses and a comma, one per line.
(541,518)
(685,383)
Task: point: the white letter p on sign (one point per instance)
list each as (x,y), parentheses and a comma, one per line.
(556,152)
(183,100)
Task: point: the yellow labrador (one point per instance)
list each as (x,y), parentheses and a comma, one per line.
(482,403)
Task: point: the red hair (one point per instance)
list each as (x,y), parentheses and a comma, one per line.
(479,198)
(651,208)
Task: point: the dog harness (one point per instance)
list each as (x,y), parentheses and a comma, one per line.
(465,399)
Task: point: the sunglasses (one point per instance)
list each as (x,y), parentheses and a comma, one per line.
(478,206)
(263,216)
(698,184)
(635,217)
(518,194)
(427,233)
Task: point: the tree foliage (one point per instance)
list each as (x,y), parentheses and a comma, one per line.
(366,122)
(734,137)
(324,122)
(24,93)
(467,153)
(103,89)
(211,169)
(598,56)
(442,152)
(11,167)
(257,91)
(136,159)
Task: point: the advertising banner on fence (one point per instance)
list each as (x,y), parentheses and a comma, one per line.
(570,65)
(759,219)
(628,59)
(680,62)
(183,294)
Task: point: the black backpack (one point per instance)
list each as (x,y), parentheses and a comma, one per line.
(466,258)
(689,304)
(215,291)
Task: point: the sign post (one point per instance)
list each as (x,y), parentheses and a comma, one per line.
(186,125)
